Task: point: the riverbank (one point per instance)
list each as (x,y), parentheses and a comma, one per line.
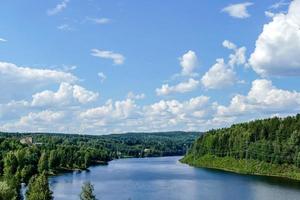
(243,166)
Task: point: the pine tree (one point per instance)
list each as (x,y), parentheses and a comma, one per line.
(38,188)
(87,192)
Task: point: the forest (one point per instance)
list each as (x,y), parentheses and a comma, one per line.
(30,158)
(268,147)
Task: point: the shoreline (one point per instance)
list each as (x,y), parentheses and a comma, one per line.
(61,171)
(286,172)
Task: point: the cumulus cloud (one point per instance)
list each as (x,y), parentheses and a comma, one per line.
(66,95)
(219,76)
(262,98)
(23,74)
(277,48)
(188,62)
(174,114)
(43,121)
(117,116)
(182,87)
(197,113)
(117,58)
(222,74)
(121,116)
(111,113)
(17,81)
(238,10)
(239,57)
(58,8)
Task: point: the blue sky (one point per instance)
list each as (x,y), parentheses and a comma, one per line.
(100,67)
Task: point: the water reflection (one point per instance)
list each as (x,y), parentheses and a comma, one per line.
(166,178)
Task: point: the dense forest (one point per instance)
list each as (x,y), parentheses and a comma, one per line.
(29,158)
(269,147)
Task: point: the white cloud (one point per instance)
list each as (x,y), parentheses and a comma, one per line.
(229,45)
(17,82)
(131,95)
(68,68)
(270,14)
(102,20)
(13,73)
(278,46)
(117,58)
(44,121)
(238,10)
(83,95)
(67,94)
(188,62)
(193,114)
(279,4)
(101,76)
(3,40)
(222,74)
(13,109)
(172,114)
(239,56)
(182,87)
(65,27)
(263,98)
(58,8)
(219,76)
(111,112)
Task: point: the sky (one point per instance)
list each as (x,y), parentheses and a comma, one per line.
(100,67)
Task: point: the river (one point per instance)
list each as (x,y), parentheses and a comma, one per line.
(165,178)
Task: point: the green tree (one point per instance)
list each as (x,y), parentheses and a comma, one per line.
(6,192)
(87,192)
(38,188)
(53,161)
(43,163)
(27,173)
(10,164)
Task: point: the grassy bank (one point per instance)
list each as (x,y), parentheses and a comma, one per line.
(243,166)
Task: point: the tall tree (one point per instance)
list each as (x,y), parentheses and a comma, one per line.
(38,188)
(87,192)
(43,163)
(10,164)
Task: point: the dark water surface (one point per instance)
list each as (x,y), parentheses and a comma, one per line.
(167,179)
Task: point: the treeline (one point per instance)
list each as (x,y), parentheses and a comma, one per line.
(53,153)
(275,141)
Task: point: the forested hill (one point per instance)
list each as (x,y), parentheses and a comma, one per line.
(24,155)
(268,147)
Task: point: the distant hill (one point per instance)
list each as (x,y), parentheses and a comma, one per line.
(267,147)
(24,155)
(126,145)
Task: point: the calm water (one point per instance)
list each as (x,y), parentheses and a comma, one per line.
(167,179)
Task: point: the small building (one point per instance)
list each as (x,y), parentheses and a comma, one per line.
(147,150)
(26,140)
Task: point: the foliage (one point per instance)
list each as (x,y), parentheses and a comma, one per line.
(38,188)
(53,153)
(87,192)
(271,141)
(6,192)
